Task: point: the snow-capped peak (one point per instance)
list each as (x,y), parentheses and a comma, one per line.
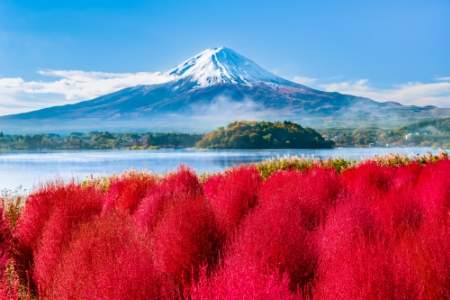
(220,66)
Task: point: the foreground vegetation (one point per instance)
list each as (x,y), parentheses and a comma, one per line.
(282,229)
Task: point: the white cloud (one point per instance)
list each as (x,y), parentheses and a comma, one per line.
(70,86)
(412,93)
(223,110)
(304,79)
(18,95)
(435,92)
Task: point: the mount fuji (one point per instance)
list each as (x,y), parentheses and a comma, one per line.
(213,88)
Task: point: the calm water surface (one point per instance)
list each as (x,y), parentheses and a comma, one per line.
(26,171)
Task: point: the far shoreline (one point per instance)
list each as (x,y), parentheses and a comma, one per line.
(195,149)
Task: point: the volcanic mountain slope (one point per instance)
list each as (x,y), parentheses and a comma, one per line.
(211,89)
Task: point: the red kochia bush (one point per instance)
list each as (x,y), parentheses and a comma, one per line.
(433,188)
(242,282)
(125,192)
(8,285)
(353,263)
(423,259)
(313,191)
(5,242)
(397,209)
(182,226)
(356,241)
(185,238)
(182,184)
(381,241)
(276,237)
(107,259)
(368,182)
(421,265)
(30,225)
(56,217)
(232,194)
(275,241)
(370,232)
(36,213)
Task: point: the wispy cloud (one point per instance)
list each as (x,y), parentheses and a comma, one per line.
(60,87)
(304,80)
(223,110)
(435,92)
(66,86)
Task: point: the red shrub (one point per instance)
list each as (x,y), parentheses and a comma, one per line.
(421,265)
(368,180)
(8,285)
(232,195)
(107,259)
(72,206)
(126,192)
(274,238)
(370,188)
(242,282)
(374,244)
(5,241)
(151,208)
(371,232)
(313,192)
(406,177)
(185,238)
(423,259)
(33,221)
(35,214)
(433,189)
(353,262)
(397,210)
(182,184)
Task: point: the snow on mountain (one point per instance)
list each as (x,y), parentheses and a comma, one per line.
(223,66)
(213,88)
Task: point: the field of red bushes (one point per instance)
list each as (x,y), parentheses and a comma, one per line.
(370,231)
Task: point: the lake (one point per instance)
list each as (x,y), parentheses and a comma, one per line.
(25,171)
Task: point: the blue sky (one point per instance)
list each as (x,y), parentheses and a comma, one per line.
(382,49)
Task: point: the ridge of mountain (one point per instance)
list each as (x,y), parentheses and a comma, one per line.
(213,88)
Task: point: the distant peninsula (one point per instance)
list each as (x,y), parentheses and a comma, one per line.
(263,135)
